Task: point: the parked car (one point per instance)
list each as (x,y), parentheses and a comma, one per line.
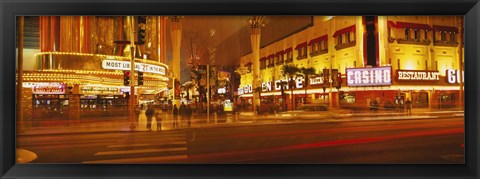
(316,111)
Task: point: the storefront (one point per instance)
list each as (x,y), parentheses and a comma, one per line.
(61,88)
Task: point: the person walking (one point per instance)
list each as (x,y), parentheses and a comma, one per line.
(408,105)
(175,116)
(183,114)
(149,113)
(158,118)
(142,118)
(189,116)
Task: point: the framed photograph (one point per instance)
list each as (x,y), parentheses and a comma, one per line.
(239,89)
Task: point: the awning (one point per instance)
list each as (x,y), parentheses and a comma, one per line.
(445,28)
(279,53)
(391,24)
(287,50)
(301,45)
(345,30)
(413,25)
(318,39)
(271,56)
(263,58)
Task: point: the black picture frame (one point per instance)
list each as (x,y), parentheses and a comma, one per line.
(11,8)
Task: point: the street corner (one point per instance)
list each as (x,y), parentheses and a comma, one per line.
(25,156)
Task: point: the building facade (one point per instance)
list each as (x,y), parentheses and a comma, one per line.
(78,70)
(385,58)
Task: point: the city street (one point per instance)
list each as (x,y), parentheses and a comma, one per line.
(427,137)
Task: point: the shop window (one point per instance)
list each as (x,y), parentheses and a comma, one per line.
(347,98)
(420,99)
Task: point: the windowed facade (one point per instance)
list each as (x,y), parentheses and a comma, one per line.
(270,61)
(263,63)
(289,57)
(279,58)
(302,53)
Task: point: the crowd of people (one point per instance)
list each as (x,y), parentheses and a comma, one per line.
(153,116)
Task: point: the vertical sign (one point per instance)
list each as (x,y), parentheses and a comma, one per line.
(326,76)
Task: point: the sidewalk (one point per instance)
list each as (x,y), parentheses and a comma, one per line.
(122,124)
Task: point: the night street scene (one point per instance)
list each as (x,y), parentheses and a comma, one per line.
(240,90)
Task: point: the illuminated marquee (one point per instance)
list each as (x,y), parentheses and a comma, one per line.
(417,75)
(124,65)
(379,76)
(99,90)
(49,89)
(453,76)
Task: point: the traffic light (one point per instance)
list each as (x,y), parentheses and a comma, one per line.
(140,78)
(339,81)
(126,78)
(334,77)
(142,23)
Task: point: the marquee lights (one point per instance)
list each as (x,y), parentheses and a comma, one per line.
(99,55)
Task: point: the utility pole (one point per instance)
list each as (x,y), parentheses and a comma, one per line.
(132,76)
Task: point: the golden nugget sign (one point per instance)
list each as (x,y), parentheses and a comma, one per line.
(124,65)
(417,75)
(453,76)
(49,89)
(379,76)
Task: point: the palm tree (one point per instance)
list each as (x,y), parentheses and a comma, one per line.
(282,90)
(307,72)
(290,71)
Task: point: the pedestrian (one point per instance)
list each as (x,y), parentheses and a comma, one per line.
(375,105)
(142,118)
(158,118)
(183,114)
(408,104)
(149,113)
(189,116)
(175,116)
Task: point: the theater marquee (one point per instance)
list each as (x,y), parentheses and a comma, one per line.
(379,76)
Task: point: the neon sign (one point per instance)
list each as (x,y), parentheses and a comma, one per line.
(417,75)
(125,65)
(379,76)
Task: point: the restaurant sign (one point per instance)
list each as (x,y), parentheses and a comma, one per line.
(417,75)
(54,88)
(125,65)
(378,76)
